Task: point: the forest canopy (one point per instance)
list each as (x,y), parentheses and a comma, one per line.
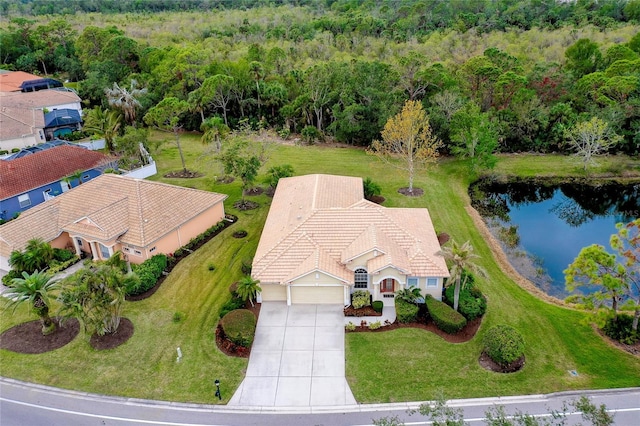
(513,75)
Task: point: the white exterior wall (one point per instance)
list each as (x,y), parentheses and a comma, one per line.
(23,141)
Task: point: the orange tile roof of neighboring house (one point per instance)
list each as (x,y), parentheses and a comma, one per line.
(321,222)
(11,81)
(136,211)
(16,122)
(43,167)
(40,99)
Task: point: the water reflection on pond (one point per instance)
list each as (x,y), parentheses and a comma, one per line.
(543,227)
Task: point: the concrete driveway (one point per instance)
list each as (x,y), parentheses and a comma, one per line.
(297,358)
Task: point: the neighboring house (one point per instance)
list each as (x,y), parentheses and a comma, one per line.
(11,81)
(113,213)
(61,122)
(49,99)
(322,241)
(20,128)
(22,115)
(31,179)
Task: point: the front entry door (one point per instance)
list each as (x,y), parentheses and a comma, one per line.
(386,286)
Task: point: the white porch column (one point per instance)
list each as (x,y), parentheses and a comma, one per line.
(76,246)
(288,295)
(94,250)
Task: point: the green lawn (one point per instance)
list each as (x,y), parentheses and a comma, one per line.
(401,365)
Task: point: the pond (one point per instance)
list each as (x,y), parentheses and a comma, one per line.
(543,226)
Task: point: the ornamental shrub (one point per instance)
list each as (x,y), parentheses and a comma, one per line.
(472,303)
(231,305)
(504,344)
(620,328)
(148,273)
(375,325)
(350,327)
(377,305)
(239,326)
(406,312)
(360,299)
(444,317)
(62,255)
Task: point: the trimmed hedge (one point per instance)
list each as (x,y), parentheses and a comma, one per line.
(504,344)
(148,273)
(406,312)
(231,305)
(620,328)
(472,303)
(62,255)
(377,305)
(239,326)
(444,317)
(360,299)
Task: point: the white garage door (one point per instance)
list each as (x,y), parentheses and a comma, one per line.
(273,292)
(317,295)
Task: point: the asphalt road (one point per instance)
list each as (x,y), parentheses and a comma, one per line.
(24,404)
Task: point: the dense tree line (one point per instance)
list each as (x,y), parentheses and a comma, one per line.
(346,86)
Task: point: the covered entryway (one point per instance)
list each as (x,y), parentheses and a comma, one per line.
(273,293)
(317,295)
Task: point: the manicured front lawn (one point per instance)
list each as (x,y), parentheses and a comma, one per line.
(402,365)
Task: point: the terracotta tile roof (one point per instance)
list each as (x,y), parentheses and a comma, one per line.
(11,81)
(43,167)
(15,122)
(138,211)
(325,236)
(40,99)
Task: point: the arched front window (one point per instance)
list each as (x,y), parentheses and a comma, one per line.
(361,278)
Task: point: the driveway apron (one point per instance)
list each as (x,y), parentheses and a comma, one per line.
(297,358)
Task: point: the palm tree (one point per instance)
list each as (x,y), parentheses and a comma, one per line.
(77,175)
(248,288)
(36,256)
(105,123)
(126,100)
(35,289)
(461,258)
(95,296)
(409,295)
(214,131)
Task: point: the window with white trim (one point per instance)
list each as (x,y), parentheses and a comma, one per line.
(126,249)
(412,282)
(361,278)
(137,252)
(432,282)
(152,249)
(24,200)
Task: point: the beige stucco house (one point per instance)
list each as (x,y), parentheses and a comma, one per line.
(322,240)
(110,213)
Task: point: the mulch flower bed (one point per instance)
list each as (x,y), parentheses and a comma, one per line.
(184,174)
(488,364)
(417,192)
(367,311)
(229,348)
(27,338)
(244,205)
(113,340)
(254,191)
(378,199)
(225,179)
(464,335)
(239,234)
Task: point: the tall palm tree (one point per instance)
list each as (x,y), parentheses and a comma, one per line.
(461,258)
(126,100)
(248,288)
(105,123)
(34,289)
